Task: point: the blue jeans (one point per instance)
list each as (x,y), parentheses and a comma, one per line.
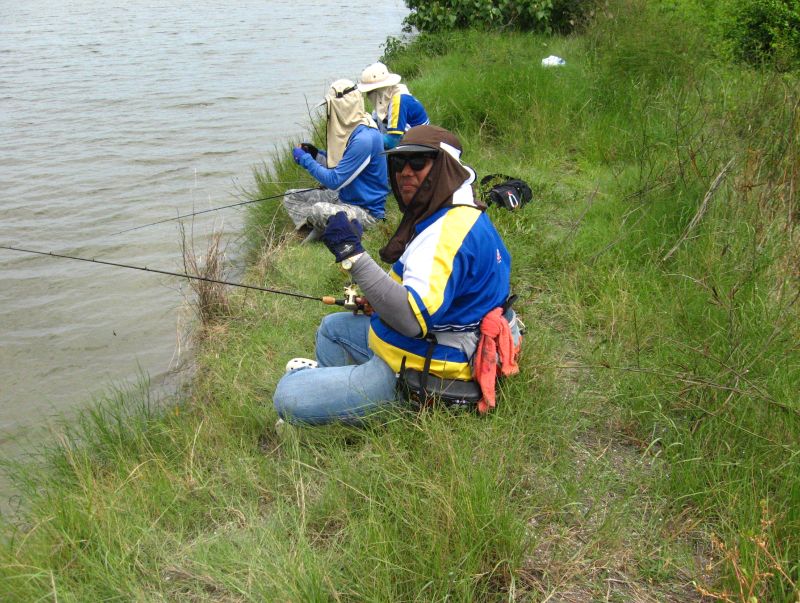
(350,383)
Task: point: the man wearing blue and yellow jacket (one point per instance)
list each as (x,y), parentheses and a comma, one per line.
(449,269)
(394,108)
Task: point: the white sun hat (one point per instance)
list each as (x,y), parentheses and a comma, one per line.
(377,76)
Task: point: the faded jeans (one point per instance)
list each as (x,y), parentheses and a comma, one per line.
(350,383)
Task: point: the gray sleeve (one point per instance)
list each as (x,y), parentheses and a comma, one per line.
(387,296)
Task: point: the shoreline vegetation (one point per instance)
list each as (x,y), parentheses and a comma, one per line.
(649,450)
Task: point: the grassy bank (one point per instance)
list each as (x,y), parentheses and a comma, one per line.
(648,450)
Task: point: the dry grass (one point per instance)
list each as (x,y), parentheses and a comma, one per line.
(752,586)
(211,303)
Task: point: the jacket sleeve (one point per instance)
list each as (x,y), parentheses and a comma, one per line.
(387,296)
(357,156)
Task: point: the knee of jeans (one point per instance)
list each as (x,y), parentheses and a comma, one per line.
(281,400)
(327,327)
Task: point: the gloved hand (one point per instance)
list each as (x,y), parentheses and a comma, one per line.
(298,153)
(343,236)
(310,149)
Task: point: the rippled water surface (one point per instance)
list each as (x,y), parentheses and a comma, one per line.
(115,114)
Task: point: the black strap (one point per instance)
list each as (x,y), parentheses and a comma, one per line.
(426,368)
(490,177)
(347,91)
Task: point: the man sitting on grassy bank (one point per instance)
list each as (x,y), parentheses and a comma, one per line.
(450,268)
(352,171)
(394,108)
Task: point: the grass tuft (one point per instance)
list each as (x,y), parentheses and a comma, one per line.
(210,301)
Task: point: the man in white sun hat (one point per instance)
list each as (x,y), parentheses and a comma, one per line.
(352,170)
(394,108)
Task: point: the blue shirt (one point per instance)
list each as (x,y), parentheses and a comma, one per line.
(456,270)
(404,112)
(360,178)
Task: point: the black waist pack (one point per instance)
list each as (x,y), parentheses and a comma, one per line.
(508,192)
(420,390)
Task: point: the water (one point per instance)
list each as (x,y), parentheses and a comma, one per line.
(115,114)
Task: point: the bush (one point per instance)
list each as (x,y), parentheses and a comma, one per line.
(532,15)
(761,31)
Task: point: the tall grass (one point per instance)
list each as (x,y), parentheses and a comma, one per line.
(698,350)
(647,451)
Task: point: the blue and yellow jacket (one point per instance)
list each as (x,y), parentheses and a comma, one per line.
(404,112)
(456,270)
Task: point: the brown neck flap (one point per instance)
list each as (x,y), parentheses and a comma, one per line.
(436,191)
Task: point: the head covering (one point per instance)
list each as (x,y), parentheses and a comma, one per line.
(381,97)
(448,183)
(345,112)
(380,86)
(377,76)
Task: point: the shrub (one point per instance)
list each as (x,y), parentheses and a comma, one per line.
(403,54)
(533,15)
(761,31)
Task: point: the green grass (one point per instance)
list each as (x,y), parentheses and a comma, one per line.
(647,451)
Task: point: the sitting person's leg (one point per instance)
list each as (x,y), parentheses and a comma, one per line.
(298,203)
(342,339)
(350,382)
(319,214)
(347,394)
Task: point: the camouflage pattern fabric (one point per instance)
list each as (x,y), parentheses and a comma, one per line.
(313,208)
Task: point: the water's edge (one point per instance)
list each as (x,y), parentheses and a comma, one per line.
(120,117)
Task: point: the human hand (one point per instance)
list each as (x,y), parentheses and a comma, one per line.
(363,306)
(342,236)
(310,149)
(297,154)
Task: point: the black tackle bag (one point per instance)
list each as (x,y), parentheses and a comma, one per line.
(505,191)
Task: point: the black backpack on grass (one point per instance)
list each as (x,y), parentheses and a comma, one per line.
(508,192)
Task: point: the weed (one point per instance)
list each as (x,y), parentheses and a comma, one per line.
(210,302)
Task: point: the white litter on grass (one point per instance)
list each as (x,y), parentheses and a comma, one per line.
(553,61)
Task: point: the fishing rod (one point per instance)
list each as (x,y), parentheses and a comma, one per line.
(205,211)
(349,300)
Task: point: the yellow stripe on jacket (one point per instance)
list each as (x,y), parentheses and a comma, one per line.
(440,243)
(393,356)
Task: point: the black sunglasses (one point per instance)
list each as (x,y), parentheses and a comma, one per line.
(417,161)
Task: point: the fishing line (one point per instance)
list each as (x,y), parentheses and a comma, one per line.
(205,211)
(327,299)
(312,120)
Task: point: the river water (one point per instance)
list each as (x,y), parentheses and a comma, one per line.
(115,114)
